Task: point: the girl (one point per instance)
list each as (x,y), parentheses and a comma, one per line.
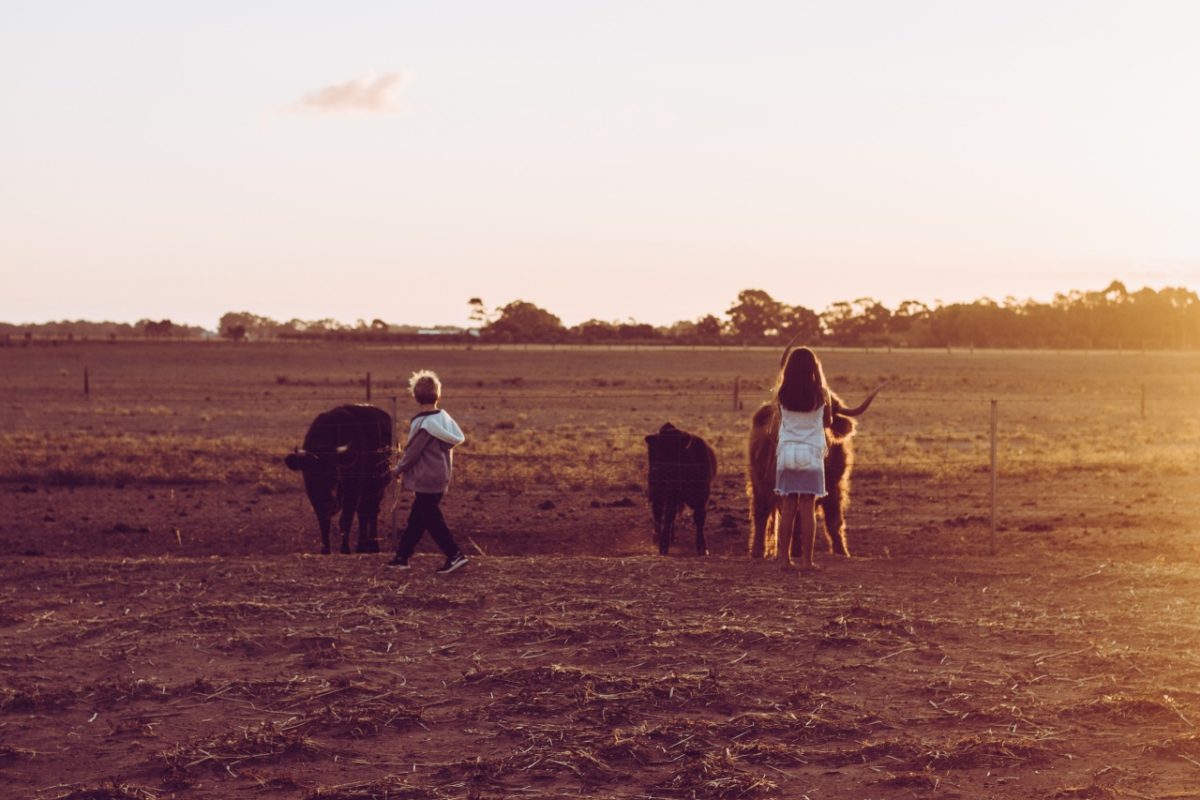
(802,401)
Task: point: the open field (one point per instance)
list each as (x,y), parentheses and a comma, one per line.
(167,631)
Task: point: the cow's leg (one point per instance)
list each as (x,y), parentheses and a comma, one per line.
(345,522)
(835,521)
(838,464)
(667,534)
(760,515)
(370,544)
(368,526)
(699,514)
(658,508)
(323,521)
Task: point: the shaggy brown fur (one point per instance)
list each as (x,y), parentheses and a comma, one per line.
(764,433)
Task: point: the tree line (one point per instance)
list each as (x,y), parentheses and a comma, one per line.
(85,330)
(1111,318)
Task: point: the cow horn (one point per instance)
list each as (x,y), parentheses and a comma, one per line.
(861,407)
(788,350)
(301,451)
(342,448)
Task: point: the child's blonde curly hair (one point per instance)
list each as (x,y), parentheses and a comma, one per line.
(425,385)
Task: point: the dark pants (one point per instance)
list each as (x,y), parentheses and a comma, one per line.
(426,516)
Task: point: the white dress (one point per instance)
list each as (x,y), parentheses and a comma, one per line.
(800,454)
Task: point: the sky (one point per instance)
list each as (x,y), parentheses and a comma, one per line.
(604,160)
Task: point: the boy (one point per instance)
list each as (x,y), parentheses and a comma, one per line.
(426,466)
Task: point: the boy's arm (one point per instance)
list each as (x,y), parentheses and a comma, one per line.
(412,450)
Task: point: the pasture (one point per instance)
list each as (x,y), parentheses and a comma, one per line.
(167,630)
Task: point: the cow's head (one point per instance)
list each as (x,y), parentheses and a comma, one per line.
(668,445)
(321,478)
(298,459)
(311,460)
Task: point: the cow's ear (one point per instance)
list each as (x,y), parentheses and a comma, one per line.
(292,460)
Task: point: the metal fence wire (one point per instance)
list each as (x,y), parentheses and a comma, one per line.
(544,444)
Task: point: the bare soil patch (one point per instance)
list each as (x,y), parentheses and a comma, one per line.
(175,636)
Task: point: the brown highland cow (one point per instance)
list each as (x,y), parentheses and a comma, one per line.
(764,434)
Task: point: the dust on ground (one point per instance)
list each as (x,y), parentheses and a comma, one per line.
(177,639)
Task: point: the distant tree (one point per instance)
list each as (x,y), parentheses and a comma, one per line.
(520,321)
(595,330)
(156,330)
(708,329)
(1116,292)
(682,331)
(326,325)
(379,326)
(908,313)
(478,314)
(864,320)
(252,326)
(837,321)
(634,330)
(872,315)
(755,314)
(800,323)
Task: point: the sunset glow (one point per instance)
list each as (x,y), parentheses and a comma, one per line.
(601,160)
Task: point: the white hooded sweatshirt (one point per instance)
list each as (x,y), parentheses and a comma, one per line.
(428,460)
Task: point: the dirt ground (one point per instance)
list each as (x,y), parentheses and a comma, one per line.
(175,636)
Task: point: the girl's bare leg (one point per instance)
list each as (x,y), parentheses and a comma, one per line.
(787,525)
(806,513)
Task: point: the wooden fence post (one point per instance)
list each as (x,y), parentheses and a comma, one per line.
(368,387)
(87,390)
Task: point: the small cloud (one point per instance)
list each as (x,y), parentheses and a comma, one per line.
(372,95)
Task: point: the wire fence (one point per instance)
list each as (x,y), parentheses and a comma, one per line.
(610,466)
(921,459)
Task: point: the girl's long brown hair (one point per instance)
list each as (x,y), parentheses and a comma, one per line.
(801,382)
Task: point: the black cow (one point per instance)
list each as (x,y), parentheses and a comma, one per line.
(682,468)
(345,462)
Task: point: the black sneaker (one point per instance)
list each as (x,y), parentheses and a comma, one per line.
(452,564)
(399,563)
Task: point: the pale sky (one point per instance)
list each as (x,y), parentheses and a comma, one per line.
(602,159)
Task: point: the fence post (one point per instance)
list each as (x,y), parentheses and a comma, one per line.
(736,387)
(368,387)
(992,538)
(87,391)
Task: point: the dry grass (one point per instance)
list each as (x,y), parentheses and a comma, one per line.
(89,459)
(111,790)
(181,632)
(266,742)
